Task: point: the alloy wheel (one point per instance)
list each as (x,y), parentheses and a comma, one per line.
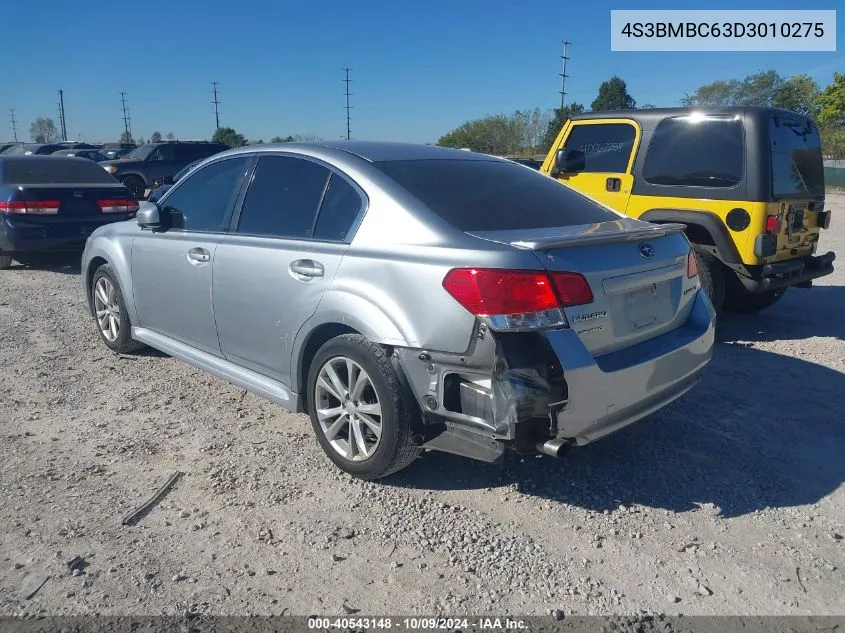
(107,309)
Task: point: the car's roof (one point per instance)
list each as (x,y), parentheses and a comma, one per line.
(372,151)
(655,115)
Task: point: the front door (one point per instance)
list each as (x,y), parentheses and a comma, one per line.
(608,147)
(171,268)
(272,270)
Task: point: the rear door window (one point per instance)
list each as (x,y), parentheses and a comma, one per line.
(797,165)
(696,152)
(606,146)
(339,210)
(283,198)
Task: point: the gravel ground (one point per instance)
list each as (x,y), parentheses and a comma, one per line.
(729,501)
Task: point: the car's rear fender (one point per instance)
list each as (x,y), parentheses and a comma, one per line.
(114,250)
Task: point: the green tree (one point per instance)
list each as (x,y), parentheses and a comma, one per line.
(833,143)
(799,93)
(155,137)
(140,140)
(832,103)
(228,136)
(717,93)
(277,139)
(170,136)
(43,130)
(499,134)
(759,89)
(613,95)
(126,137)
(647,106)
(554,126)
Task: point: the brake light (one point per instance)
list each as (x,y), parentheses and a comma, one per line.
(692,265)
(773,224)
(118,206)
(29,207)
(516,299)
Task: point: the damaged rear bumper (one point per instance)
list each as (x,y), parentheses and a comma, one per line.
(517,389)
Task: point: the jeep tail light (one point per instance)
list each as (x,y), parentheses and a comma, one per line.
(517,299)
(118,206)
(29,207)
(773,223)
(692,265)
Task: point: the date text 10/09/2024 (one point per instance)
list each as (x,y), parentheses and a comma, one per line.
(417,623)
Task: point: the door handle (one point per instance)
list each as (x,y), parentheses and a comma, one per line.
(305,269)
(199,256)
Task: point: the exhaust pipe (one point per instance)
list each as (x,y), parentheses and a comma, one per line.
(555,447)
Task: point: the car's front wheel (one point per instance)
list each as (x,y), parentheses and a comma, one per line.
(361,412)
(110,313)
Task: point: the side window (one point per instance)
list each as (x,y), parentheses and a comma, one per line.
(202,201)
(163,152)
(283,197)
(695,153)
(340,207)
(607,147)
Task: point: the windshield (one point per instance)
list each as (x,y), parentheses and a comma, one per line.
(141,153)
(481,195)
(797,166)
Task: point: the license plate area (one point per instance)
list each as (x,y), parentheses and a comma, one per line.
(796,220)
(645,306)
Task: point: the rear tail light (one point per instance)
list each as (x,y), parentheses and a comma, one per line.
(692,265)
(29,207)
(517,299)
(773,223)
(118,206)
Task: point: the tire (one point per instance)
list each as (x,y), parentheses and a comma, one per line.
(711,275)
(5,262)
(135,185)
(742,301)
(351,422)
(110,315)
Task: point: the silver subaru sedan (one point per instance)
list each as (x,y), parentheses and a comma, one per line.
(407,298)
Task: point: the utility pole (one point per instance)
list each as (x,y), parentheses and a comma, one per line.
(126,118)
(563,75)
(348,107)
(62,114)
(216,102)
(14,124)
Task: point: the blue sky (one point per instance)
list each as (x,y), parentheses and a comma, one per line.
(419,69)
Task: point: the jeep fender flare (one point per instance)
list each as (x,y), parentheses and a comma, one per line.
(722,245)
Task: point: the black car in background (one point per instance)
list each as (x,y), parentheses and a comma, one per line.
(33,149)
(91,154)
(155,161)
(117,150)
(5,146)
(52,203)
(161,185)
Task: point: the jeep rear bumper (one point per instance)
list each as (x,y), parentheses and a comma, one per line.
(792,272)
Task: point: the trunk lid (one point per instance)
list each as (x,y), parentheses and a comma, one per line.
(637,272)
(75,200)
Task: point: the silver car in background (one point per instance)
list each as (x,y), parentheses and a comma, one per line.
(407,297)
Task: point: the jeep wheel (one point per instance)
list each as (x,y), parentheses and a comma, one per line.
(740,300)
(135,185)
(711,275)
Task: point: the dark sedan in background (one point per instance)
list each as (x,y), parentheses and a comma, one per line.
(33,149)
(52,203)
(91,154)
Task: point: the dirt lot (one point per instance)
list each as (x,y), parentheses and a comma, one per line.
(728,501)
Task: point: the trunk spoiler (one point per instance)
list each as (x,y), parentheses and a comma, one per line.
(605,232)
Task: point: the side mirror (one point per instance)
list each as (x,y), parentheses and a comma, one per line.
(570,161)
(148,215)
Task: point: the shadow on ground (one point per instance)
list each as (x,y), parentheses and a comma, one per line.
(762,430)
(68,263)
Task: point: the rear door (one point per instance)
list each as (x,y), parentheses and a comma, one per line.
(608,147)
(272,269)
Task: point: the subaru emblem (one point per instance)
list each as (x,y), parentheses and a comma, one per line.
(646,250)
(77,194)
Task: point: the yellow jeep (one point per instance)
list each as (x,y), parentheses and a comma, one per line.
(747,182)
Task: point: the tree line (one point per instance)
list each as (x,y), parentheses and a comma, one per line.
(517,134)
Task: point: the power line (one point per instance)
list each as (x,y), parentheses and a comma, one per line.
(127,128)
(216,102)
(563,75)
(348,107)
(14,124)
(62,114)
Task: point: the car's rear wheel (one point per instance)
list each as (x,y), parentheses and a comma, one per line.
(740,300)
(711,276)
(362,413)
(5,262)
(110,313)
(135,185)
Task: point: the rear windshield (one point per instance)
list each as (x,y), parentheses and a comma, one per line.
(480,195)
(797,167)
(35,171)
(692,151)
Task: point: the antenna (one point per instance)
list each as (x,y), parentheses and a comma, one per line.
(348,107)
(14,124)
(126,119)
(216,102)
(563,75)
(62,114)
